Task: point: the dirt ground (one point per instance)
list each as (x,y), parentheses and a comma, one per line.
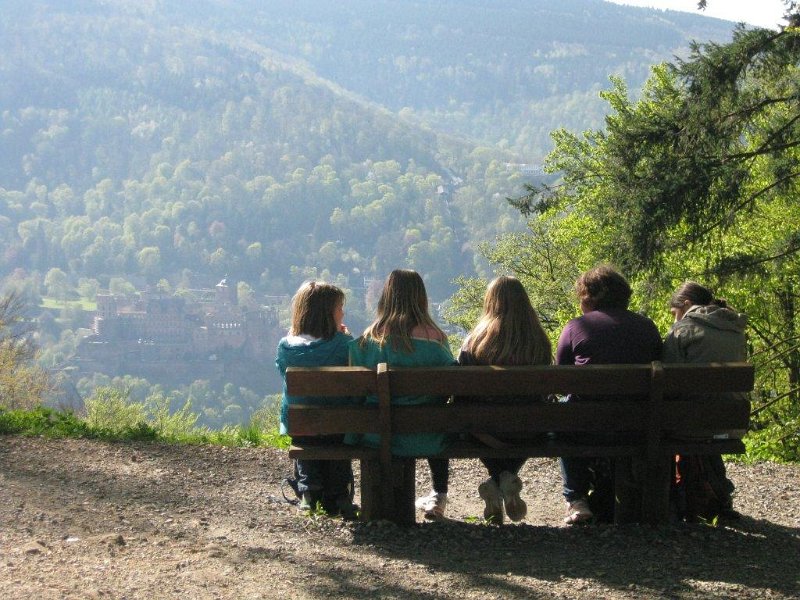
(86,519)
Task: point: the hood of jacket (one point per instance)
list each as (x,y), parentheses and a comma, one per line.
(717,317)
(295,352)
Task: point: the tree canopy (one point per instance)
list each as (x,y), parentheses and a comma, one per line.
(695,179)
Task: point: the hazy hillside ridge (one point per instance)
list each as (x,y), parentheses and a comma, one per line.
(169,145)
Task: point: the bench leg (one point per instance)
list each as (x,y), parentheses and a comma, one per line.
(655,492)
(627,490)
(390,497)
(370,490)
(404,480)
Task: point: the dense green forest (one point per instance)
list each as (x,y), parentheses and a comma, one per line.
(168,145)
(703,166)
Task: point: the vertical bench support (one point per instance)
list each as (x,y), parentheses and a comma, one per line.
(386,507)
(627,490)
(370,490)
(655,484)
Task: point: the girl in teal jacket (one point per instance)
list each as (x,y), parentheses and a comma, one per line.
(317,338)
(403,334)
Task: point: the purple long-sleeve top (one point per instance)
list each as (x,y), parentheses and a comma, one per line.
(609,336)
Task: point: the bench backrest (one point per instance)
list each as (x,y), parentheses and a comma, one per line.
(662,385)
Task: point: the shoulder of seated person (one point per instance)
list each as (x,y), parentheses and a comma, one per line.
(427,333)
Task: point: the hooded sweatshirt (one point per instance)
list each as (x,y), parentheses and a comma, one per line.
(305,351)
(707,334)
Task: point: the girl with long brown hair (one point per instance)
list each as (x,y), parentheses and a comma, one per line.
(404,334)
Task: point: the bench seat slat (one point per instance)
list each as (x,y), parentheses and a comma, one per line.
(547,448)
(504,381)
(708,378)
(332,452)
(501,381)
(713,414)
(526,418)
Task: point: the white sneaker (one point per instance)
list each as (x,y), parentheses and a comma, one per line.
(489,491)
(432,505)
(510,487)
(578,511)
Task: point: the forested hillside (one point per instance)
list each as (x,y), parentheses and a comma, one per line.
(147,139)
(169,144)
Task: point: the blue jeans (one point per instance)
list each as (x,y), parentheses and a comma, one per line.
(575,477)
(325,478)
(578,473)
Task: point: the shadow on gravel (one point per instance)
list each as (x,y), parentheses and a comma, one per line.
(666,562)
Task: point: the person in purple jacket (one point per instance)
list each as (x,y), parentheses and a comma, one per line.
(606,333)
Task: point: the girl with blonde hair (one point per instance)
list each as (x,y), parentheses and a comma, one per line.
(403,334)
(508,333)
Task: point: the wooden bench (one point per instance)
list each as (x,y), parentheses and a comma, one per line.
(642,400)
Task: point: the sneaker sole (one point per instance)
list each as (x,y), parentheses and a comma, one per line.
(577,519)
(493,511)
(516,509)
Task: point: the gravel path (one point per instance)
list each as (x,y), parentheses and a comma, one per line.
(86,519)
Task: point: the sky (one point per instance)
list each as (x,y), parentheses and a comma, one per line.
(764,13)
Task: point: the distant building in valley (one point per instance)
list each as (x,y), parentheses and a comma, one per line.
(157,334)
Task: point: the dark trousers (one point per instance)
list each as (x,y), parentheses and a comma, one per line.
(576,476)
(495,466)
(325,478)
(440,474)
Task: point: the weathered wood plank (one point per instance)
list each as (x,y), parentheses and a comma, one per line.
(550,448)
(588,380)
(385,430)
(332,452)
(330,381)
(712,415)
(327,420)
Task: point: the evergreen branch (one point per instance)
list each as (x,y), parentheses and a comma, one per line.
(750,110)
(761,150)
(746,266)
(775,344)
(746,202)
(763,407)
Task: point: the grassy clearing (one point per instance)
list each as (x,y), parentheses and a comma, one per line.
(54,423)
(54,303)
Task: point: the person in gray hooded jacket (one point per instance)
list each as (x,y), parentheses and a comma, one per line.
(705,330)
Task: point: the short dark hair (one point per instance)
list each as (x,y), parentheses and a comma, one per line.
(696,294)
(603,287)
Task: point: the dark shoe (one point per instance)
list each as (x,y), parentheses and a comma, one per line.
(729,514)
(309,502)
(341,506)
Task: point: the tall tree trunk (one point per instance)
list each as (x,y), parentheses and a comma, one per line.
(792,359)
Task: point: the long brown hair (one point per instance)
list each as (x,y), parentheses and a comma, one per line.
(313,306)
(403,305)
(509,331)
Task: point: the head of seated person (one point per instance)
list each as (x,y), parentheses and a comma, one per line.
(602,288)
